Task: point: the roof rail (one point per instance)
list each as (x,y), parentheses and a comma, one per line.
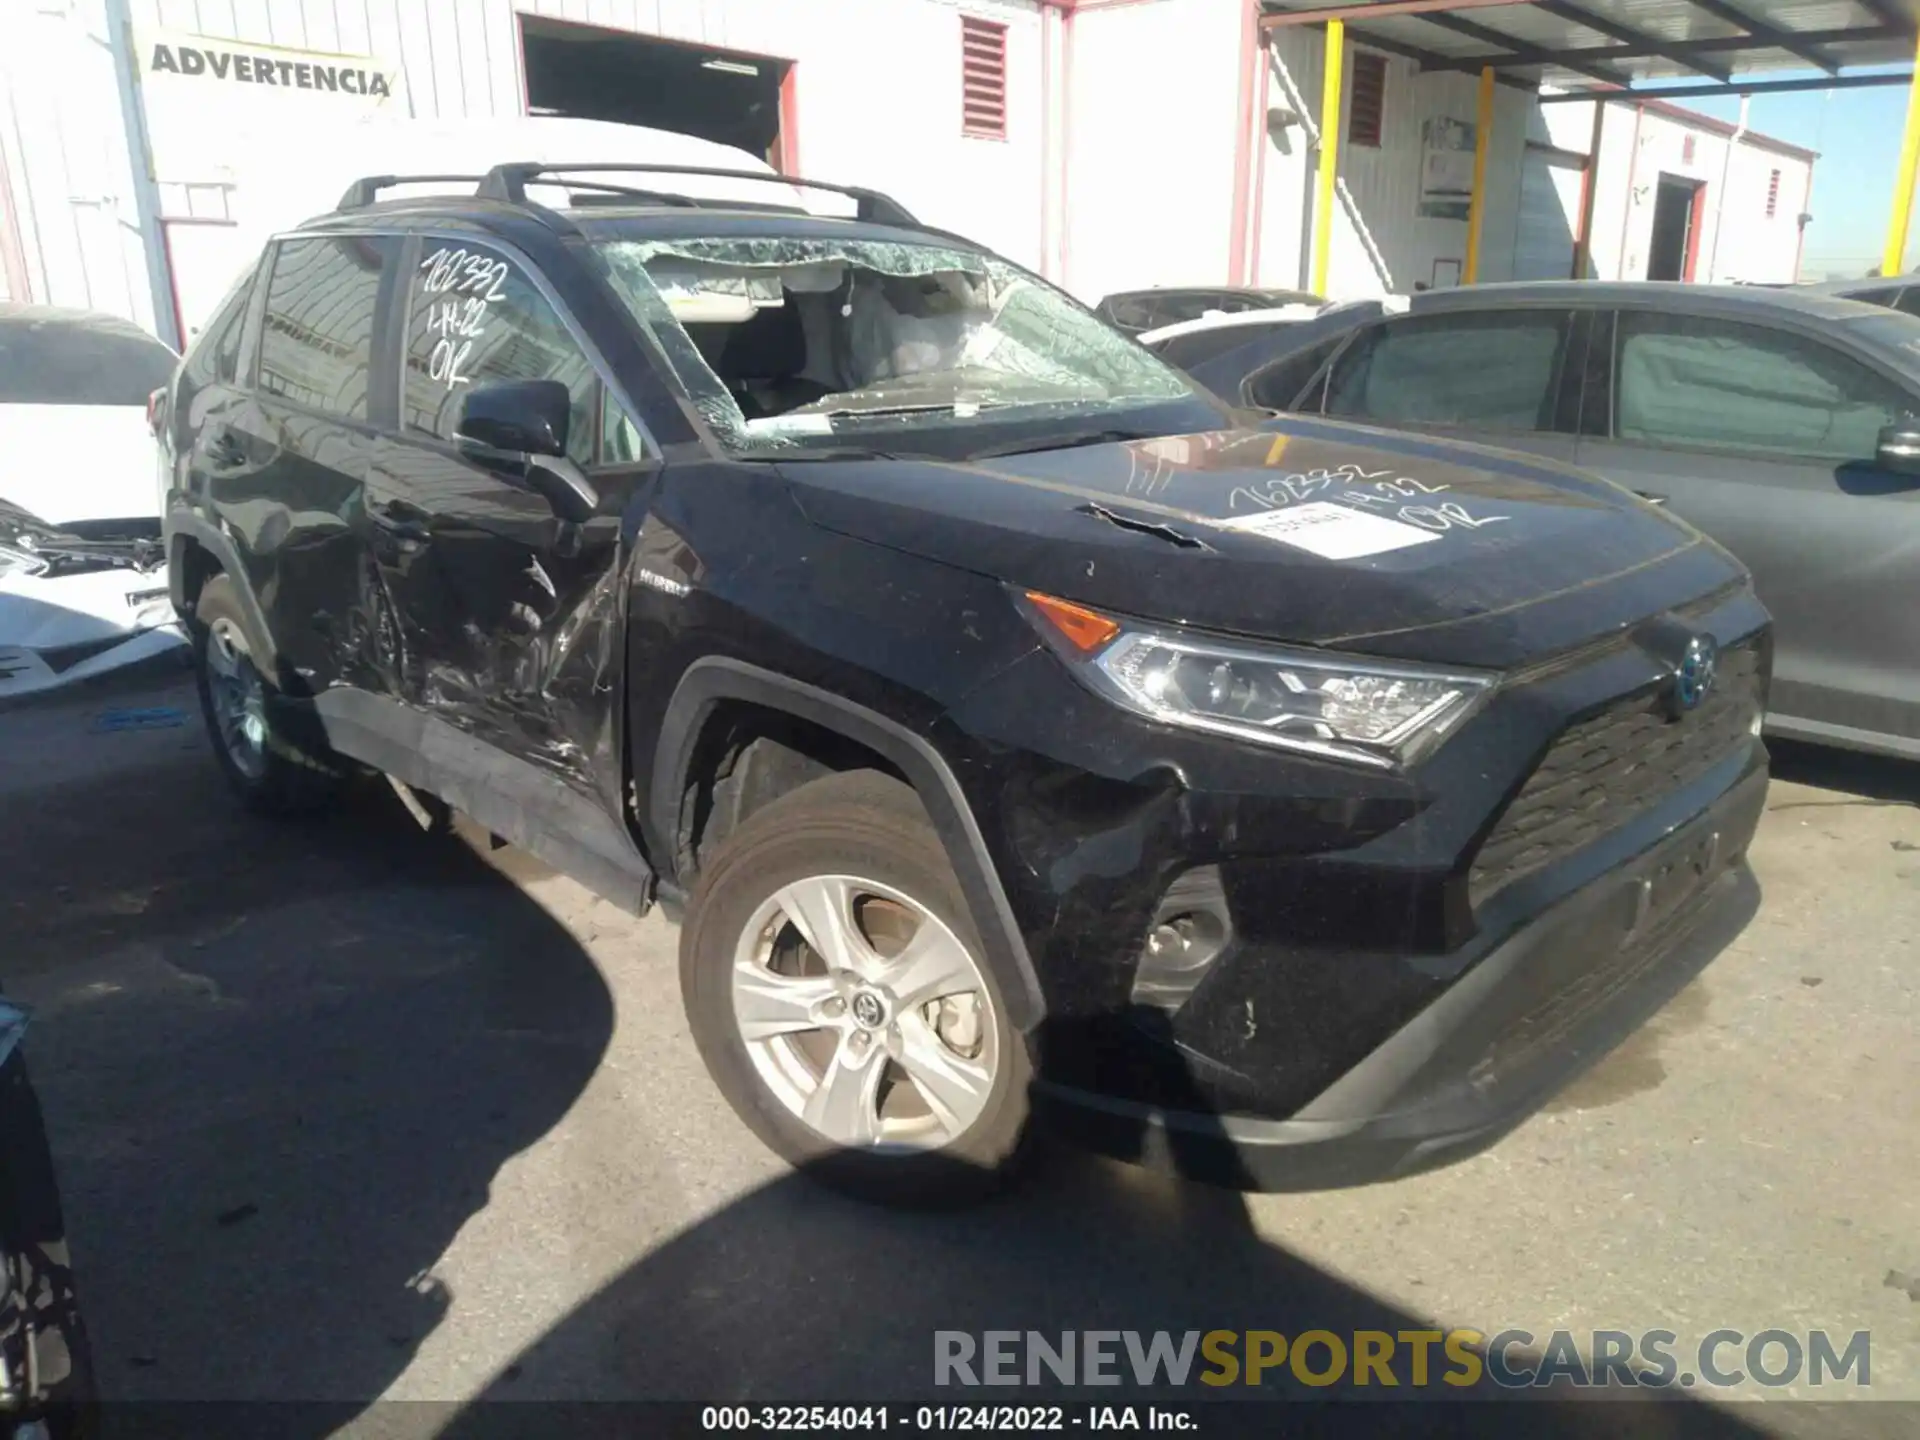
(509,182)
(365,190)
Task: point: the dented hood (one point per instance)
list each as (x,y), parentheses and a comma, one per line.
(1307,532)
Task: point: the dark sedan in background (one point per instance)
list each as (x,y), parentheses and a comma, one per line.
(1895,292)
(1138,311)
(1780,422)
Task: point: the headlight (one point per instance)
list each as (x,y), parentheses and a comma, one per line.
(1348,708)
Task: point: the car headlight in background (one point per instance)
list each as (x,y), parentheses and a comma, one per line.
(1351,708)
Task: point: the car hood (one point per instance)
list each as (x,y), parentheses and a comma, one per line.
(1310,532)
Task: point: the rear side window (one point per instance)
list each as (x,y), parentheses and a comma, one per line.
(1497,371)
(61,357)
(475,318)
(1131,312)
(215,356)
(1278,385)
(316,340)
(1683,380)
(1909,301)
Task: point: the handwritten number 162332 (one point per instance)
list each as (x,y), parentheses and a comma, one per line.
(460,270)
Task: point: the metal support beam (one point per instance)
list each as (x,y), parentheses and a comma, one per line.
(1524,53)
(1892,12)
(1614,30)
(1774,36)
(1427,59)
(1333,68)
(1477,210)
(1682,51)
(1894,260)
(1589,183)
(1279,19)
(1738,87)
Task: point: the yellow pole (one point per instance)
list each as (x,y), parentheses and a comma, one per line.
(1895,259)
(1336,62)
(1477,209)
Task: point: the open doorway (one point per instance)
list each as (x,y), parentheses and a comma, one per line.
(591,73)
(1678,205)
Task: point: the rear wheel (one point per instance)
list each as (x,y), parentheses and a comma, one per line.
(270,770)
(834,985)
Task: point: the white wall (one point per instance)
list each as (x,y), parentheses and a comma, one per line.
(877,89)
(1381,241)
(66,159)
(1154,103)
(1751,246)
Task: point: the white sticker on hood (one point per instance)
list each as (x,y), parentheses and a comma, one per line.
(1333,532)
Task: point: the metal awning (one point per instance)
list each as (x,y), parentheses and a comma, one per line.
(1607,44)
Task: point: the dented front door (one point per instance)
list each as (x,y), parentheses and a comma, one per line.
(508,618)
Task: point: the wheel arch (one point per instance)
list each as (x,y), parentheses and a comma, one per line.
(713,681)
(196,552)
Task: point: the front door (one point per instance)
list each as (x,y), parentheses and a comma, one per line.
(1765,438)
(509,618)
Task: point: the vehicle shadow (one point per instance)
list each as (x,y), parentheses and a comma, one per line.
(796,1294)
(281,1063)
(1871,777)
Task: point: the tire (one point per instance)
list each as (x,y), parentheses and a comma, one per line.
(948,1140)
(271,771)
(36,1268)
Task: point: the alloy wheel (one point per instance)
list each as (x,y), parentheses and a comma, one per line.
(865,1015)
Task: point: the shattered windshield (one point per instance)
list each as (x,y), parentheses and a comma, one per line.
(786,342)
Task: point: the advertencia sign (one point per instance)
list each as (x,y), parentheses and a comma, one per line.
(229,126)
(205,96)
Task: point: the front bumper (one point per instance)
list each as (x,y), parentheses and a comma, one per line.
(1551,999)
(56,630)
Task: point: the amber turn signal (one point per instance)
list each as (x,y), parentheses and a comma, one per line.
(1086,630)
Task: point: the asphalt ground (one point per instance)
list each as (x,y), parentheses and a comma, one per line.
(346,1112)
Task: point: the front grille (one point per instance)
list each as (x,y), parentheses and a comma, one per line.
(1606,769)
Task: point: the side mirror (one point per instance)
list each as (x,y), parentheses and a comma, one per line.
(520,417)
(1899,448)
(525,422)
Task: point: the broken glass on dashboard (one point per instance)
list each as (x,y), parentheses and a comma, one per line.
(788,342)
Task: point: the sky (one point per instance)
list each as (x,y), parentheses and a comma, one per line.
(1857,133)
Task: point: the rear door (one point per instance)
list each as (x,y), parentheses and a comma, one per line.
(509,617)
(1501,377)
(1764,436)
(282,463)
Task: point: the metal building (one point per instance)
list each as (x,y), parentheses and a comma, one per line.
(1109,144)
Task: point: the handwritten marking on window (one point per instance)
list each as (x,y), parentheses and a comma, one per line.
(465,284)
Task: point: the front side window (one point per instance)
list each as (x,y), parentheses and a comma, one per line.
(787,342)
(474,318)
(1682,380)
(316,337)
(1497,371)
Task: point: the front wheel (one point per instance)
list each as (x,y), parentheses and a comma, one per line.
(833,981)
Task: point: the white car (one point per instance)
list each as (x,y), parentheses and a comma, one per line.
(83,580)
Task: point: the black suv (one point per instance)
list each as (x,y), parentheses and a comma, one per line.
(1013,726)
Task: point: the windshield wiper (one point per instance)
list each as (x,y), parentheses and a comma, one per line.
(1063,442)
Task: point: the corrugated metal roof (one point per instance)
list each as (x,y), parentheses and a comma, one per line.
(1581,44)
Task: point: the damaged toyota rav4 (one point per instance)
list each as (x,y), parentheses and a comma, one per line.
(1017,732)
